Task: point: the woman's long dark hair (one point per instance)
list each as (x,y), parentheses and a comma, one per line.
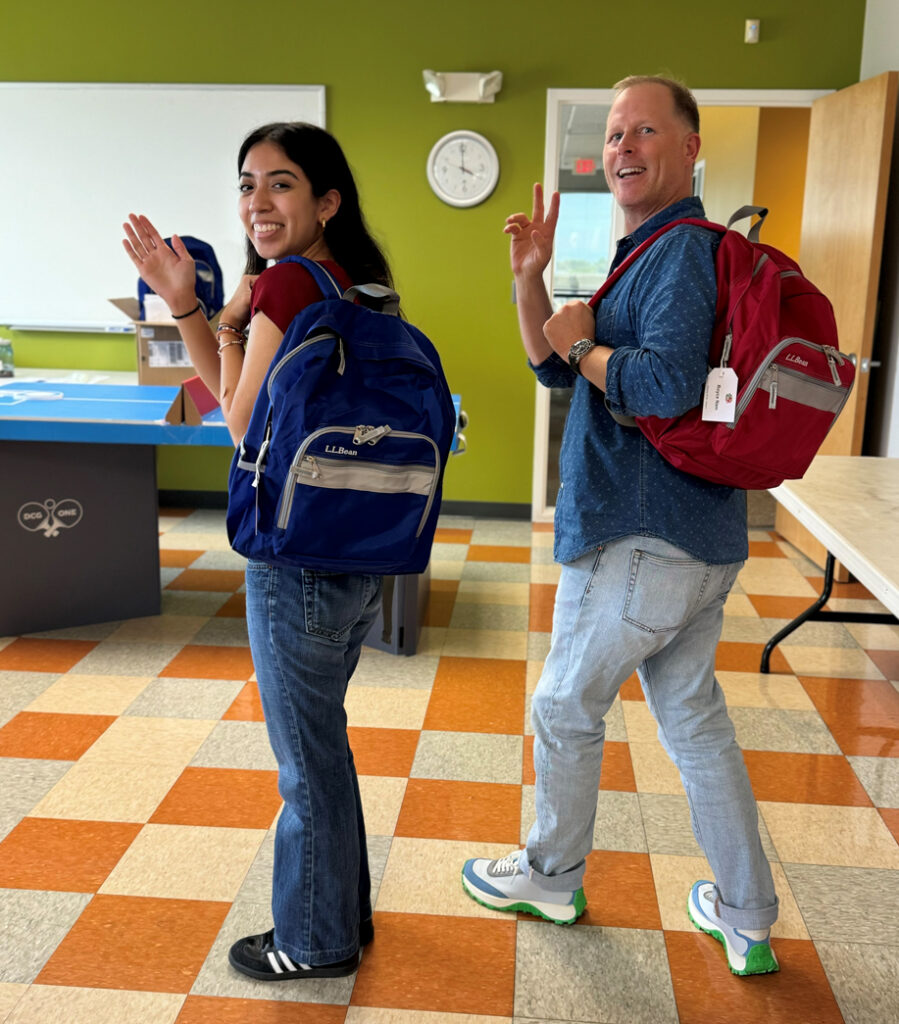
(318,153)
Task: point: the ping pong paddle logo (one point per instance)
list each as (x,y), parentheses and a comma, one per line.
(50,516)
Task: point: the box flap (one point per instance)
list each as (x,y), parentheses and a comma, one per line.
(198,400)
(130,307)
(175,415)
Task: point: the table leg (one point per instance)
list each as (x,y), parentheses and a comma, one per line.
(814,613)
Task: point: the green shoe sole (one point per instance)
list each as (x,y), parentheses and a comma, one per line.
(761,959)
(577,908)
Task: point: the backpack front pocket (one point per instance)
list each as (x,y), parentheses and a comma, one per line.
(371,497)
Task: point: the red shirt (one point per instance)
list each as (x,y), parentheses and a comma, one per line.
(284,289)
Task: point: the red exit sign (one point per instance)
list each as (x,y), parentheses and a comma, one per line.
(585,165)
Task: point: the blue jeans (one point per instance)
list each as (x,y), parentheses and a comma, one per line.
(306,630)
(642,603)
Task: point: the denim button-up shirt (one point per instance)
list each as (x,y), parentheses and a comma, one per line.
(658,318)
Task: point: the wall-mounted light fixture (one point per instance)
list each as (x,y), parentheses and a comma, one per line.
(751,31)
(463,86)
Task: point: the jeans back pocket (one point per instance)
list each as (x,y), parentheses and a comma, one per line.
(663,593)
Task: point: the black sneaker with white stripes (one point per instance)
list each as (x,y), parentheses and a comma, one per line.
(257,956)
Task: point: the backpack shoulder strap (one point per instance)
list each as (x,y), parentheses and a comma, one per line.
(327,285)
(633,256)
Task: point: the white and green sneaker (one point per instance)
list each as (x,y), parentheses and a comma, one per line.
(748,951)
(502,885)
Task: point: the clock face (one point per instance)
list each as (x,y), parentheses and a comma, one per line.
(463,168)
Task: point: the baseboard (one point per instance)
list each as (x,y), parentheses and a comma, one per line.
(486,509)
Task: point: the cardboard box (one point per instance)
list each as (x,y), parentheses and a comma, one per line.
(191,403)
(161,354)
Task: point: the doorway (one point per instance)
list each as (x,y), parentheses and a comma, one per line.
(754,147)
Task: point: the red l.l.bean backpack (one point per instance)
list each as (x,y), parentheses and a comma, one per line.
(777,332)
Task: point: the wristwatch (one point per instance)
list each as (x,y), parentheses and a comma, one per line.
(577,352)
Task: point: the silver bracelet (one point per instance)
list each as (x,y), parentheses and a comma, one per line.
(225,345)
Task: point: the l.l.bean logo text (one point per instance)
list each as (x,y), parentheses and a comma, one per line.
(50,516)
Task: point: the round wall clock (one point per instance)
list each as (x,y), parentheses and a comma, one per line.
(463,168)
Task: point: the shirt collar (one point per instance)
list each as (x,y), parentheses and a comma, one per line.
(689,207)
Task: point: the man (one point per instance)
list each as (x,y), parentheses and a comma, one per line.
(648,553)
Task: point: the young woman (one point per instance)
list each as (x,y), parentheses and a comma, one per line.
(297,197)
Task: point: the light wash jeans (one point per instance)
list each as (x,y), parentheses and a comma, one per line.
(641,603)
(306,630)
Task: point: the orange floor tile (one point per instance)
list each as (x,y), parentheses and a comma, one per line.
(477,695)
(861,714)
(498,553)
(50,736)
(477,812)
(543,598)
(221,798)
(62,855)
(198,662)
(387,752)
(610,874)
(216,1010)
(798,992)
(27,654)
(418,963)
(246,707)
(207,579)
(128,942)
(175,557)
(742,657)
(234,608)
(804,778)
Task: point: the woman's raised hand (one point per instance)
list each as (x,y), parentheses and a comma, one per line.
(532,238)
(170,272)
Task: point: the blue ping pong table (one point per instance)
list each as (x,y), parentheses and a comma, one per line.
(80,543)
(80,538)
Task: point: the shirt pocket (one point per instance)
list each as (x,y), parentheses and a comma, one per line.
(605,320)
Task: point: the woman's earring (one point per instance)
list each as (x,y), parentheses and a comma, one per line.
(324,224)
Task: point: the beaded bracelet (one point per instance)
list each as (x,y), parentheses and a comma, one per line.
(228,329)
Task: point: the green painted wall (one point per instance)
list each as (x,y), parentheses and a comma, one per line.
(451,265)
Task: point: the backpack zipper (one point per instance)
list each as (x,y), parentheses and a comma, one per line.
(330,336)
(296,469)
(831,354)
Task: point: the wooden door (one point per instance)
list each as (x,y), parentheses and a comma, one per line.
(843,216)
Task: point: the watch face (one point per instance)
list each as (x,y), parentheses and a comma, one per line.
(463,168)
(577,352)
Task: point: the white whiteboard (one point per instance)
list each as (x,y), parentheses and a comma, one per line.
(81,157)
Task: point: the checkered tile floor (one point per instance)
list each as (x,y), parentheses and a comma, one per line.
(138,792)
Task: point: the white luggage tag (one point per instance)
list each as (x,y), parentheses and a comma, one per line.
(719,402)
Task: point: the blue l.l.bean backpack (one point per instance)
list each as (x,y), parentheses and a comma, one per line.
(341,467)
(209,284)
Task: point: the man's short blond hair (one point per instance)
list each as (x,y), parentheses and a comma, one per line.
(684,100)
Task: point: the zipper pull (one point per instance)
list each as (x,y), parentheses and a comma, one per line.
(832,355)
(310,466)
(260,460)
(772,388)
(728,345)
(341,366)
(370,435)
